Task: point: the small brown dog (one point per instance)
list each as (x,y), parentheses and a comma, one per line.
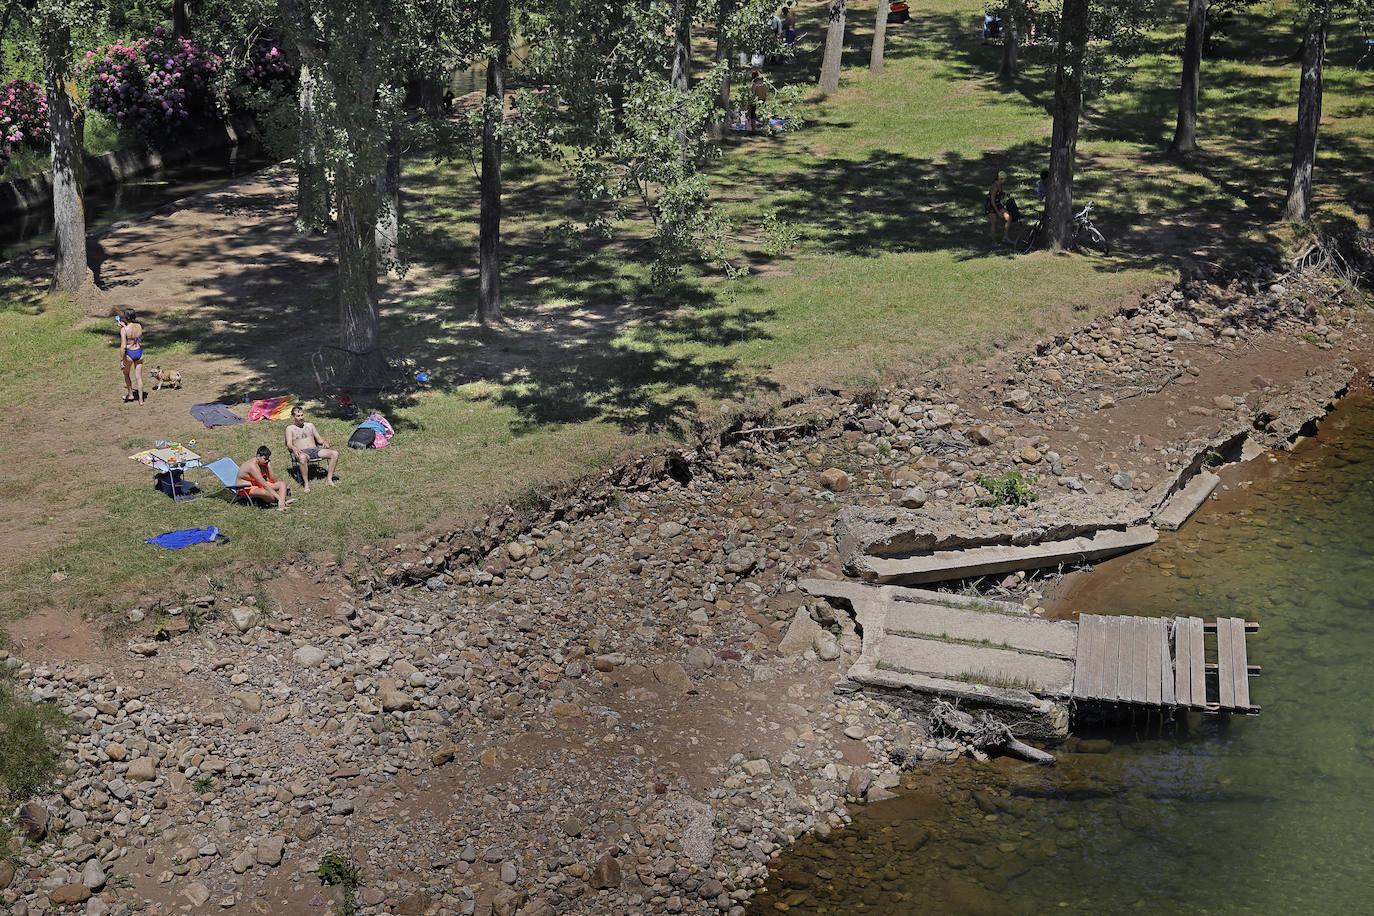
(166,377)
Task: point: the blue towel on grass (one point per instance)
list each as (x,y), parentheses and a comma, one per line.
(213,415)
(175,540)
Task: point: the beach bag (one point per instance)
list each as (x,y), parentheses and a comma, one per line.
(362,438)
(170,483)
(756,60)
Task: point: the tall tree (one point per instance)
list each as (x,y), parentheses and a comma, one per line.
(493,119)
(1010,40)
(1299,203)
(875,57)
(181,19)
(56,20)
(834,48)
(1068,105)
(724,13)
(1194,36)
(357,52)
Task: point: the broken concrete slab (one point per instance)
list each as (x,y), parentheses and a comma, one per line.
(848,590)
(891,531)
(945,565)
(1180,507)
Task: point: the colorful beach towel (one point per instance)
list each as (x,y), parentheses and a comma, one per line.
(213,415)
(175,540)
(270,409)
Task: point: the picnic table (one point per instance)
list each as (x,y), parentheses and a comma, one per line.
(173,458)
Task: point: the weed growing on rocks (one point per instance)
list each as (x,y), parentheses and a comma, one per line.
(1011,488)
(29,737)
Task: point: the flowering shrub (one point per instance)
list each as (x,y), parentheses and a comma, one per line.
(154,85)
(267,65)
(23,118)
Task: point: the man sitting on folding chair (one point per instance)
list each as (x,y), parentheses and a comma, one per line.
(305,444)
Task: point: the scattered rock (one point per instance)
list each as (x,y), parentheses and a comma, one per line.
(244,618)
(606,874)
(142,770)
(1020,399)
(69,893)
(801,635)
(270,850)
(835,480)
(308,656)
(913,498)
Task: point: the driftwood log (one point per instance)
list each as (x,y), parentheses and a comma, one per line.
(984,733)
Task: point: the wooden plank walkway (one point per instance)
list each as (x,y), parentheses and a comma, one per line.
(958,646)
(1127,660)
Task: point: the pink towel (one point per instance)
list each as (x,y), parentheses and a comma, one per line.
(270,408)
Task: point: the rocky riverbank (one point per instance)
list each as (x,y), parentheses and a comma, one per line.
(617,702)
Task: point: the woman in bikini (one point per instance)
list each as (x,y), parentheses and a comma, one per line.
(996,208)
(131,354)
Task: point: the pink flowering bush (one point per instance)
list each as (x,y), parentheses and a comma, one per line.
(154,85)
(267,66)
(23,118)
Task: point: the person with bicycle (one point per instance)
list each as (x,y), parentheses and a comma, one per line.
(996,208)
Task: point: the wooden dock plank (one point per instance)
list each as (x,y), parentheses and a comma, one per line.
(1107,666)
(1239,666)
(1226,685)
(1143,654)
(1128,684)
(1195,659)
(1153,688)
(1183,648)
(1168,679)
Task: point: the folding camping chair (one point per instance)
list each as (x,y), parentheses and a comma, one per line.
(227,470)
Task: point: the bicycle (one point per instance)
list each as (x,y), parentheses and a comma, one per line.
(1081,234)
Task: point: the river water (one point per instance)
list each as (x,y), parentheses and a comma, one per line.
(26,231)
(1271,814)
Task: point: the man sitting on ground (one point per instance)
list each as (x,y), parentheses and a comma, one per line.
(305,444)
(257,477)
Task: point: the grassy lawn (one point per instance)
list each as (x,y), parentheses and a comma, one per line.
(894,274)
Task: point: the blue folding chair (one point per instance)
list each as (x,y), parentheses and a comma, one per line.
(227,470)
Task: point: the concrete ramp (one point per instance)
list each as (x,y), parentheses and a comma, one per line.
(955,646)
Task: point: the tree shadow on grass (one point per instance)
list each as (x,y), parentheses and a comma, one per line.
(584,339)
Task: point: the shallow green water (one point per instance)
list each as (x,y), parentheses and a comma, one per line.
(1273,814)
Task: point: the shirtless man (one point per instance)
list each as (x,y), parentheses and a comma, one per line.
(305,444)
(254,475)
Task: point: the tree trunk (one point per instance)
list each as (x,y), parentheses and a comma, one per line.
(489,220)
(1068,103)
(1185,133)
(723,57)
(875,58)
(65,125)
(389,206)
(682,45)
(1299,203)
(357,252)
(1010,49)
(181,19)
(312,185)
(834,48)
